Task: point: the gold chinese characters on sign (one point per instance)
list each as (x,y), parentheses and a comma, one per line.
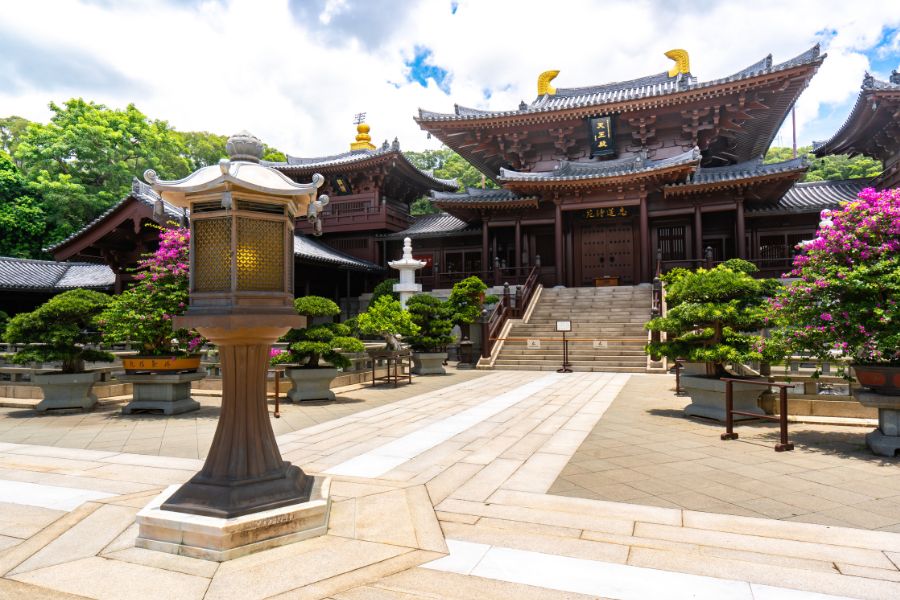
(609,212)
(602,142)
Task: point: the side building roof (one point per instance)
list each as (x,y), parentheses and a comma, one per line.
(26,275)
(811,197)
(431,226)
(311,251)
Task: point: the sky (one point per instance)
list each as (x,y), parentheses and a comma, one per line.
(295,72)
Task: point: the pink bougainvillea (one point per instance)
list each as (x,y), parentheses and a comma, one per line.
(844,301)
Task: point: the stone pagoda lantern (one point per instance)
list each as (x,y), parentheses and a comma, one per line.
(246,497)
(407,265)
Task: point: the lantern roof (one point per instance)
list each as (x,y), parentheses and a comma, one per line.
(241,169)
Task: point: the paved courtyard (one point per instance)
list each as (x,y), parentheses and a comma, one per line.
(443,493)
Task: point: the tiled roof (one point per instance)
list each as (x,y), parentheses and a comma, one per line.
(812,197)
(644,87)
(308,249)
(435,225)
(844,139)
(139,191)
(355,156)
(480,197)
(744,170)
(50,276)
(573,171)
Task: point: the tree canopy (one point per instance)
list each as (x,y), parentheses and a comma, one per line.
(56,177)
(446,164)
(828,167)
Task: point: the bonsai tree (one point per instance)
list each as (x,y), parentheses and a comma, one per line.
(61,329)
(713,315)
(467,300)
(432,317)
(385,288)
(385,317)
(317,343)
(143,313)
(844,301)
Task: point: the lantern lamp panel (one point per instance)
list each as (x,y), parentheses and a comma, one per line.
(212,255)
(260,255)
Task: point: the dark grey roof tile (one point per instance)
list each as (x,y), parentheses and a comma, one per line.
(434,225)
(812,197)
(306,248)
(51,276)
(567,170)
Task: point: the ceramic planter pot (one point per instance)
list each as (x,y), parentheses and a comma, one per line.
(66,390)
(161,364)
(880,379)
(429,363)
(310,384)
(708,398)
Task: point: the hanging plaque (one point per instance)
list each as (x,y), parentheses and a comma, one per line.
(341,185)
(602,142)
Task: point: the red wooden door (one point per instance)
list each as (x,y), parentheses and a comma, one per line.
(607,251)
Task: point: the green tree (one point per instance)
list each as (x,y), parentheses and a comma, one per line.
(202,148)
(827,168)
(83,160)
(326,341)
(433,318)
(11,130)
(385,317)
(21,217)
(446,164)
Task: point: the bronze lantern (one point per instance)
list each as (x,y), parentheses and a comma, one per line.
(241,298)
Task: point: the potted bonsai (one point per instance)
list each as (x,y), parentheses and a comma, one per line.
(62,329)
(712,318)
(314,345)
(844,304)
(162,372)
(429,344)
(387,319)
(466,303)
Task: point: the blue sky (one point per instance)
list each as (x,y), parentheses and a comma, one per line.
(296,71)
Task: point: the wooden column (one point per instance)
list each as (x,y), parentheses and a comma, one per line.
(486,265)
(558,244)
(646,250)
(517,262)
(741,229)
(698,234)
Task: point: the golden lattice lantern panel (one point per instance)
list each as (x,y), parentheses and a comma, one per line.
(211,255)
(260,255)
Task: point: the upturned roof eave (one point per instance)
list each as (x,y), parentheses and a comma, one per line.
(846,137)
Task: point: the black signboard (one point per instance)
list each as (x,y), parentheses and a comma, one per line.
(341,186)
(602,142)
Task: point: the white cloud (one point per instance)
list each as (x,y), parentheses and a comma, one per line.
(297,82)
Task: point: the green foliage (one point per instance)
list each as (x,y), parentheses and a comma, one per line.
(385,288)
(84,159)
(446,164)
(21,217)
(467,300)
(202,148)
(59,330)
(434,319)
(316,306)
(11,130)
(319,342)
(828,167)
(385,316)
(712,315)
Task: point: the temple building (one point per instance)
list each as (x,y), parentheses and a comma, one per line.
(599,183)
(872,129)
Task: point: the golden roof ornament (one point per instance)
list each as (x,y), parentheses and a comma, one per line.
(544,80)
(682,62)
(363,139)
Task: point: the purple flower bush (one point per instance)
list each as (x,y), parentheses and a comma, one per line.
(143,313)
(845,299)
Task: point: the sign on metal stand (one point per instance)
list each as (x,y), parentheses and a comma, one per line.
(564,326)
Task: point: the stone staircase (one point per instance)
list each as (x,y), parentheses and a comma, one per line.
(611,315)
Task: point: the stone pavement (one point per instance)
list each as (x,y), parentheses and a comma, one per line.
(644,451)
(189,435)
(438,495)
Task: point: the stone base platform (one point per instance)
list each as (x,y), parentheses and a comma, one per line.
(169,393)
(217,539)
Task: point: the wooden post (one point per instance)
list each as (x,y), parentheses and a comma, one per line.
(645,242)
(486,263)
(517,262)
(698,234)
(558,243)
(741,229)
(729,412)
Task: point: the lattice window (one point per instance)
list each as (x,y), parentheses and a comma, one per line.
(672,242)
(212,255)
(260,255)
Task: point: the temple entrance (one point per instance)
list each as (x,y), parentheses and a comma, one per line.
(607,254)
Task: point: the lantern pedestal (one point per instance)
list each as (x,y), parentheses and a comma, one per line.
(244,475)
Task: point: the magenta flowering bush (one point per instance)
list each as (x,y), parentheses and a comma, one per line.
(845,300)
(143,313)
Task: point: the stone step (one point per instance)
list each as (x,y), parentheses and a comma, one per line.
(583,363)
(577,369)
